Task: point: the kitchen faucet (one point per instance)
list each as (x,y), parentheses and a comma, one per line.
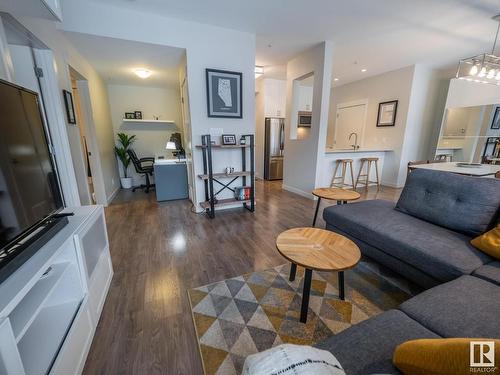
(355,145)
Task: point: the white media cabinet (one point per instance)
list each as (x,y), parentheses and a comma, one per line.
(50,307)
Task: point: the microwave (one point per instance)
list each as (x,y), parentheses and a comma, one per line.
(304,119)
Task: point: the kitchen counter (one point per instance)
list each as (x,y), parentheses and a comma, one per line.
(331,150)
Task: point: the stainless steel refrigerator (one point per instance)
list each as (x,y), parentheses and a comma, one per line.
(273,148)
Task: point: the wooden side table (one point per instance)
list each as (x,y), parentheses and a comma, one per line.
(320,250)
(335,194)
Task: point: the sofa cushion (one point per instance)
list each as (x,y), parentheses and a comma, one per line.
(489,242)
(461,203)
(436,251)
(368,347)
(466,307)
(417,276)
(437,356)
(489,272)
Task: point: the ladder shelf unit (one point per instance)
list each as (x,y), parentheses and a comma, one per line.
(247,174)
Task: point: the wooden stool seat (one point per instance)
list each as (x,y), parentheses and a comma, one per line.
(339,181)
(364,179)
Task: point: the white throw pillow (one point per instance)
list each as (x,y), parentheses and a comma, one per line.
(291,359)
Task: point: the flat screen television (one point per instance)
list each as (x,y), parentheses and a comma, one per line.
(29,188)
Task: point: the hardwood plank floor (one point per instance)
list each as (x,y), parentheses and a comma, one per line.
(160,250)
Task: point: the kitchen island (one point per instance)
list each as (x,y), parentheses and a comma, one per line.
(332,154)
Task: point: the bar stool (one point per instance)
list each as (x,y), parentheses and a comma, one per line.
(366,177)
(341,183)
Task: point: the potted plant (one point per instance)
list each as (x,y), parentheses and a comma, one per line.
(124,143)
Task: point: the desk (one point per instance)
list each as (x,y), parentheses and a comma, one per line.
(170,179)
(482,171)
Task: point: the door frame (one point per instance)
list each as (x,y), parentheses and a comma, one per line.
(188,146)
(353,103)
(93,147)
(53,106)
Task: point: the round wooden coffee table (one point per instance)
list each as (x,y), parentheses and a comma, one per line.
(320,250)
(342,196)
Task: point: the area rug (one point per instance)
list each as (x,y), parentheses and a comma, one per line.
(247,314)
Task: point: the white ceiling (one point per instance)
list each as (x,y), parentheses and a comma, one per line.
(379,35)
(116,59)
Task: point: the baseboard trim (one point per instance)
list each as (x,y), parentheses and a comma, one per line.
(298,191)
(112,196)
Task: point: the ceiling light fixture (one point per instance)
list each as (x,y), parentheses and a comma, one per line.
(142,73)
(485,66)
(363,70)
(259,70)
(335,79)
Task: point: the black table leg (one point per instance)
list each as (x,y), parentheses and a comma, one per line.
(339,203)
(293,271)
(306,290)
(341,286)
(316,212)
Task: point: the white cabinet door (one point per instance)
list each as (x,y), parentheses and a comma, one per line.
(305,98)
(274,98)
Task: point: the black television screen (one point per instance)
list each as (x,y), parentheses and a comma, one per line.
(29,189)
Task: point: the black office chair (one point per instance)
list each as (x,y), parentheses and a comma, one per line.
(142,166)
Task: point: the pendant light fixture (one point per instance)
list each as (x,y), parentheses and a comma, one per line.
(484,68)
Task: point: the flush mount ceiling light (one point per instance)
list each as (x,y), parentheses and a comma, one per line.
(335,79)
(142,73)
(484,68)
(363,70)
(259,70)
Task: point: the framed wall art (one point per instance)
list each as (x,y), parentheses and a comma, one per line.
(387,113)
(224,94)
(70,108)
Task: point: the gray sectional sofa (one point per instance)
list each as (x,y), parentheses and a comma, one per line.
(426,238)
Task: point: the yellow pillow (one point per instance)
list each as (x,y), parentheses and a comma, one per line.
(445,356)
(489,242)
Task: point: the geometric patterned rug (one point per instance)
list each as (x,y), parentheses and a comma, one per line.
(247,314)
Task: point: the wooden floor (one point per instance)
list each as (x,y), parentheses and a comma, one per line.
(161,250)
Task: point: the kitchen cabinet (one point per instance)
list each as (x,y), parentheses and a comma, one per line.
(305,98)
(274,91)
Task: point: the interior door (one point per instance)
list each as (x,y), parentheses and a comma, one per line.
(350,119)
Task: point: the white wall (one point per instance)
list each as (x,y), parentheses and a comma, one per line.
(303,157)
(206,47)
(151,138)
(462,93)
(418,90)
(424,116)
(65,55)
(395,85)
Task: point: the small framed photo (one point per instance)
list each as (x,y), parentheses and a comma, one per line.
(495,124)
(224,94)
(70,109)
(138,115)
(228,139)
(387,113)
(129,115)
